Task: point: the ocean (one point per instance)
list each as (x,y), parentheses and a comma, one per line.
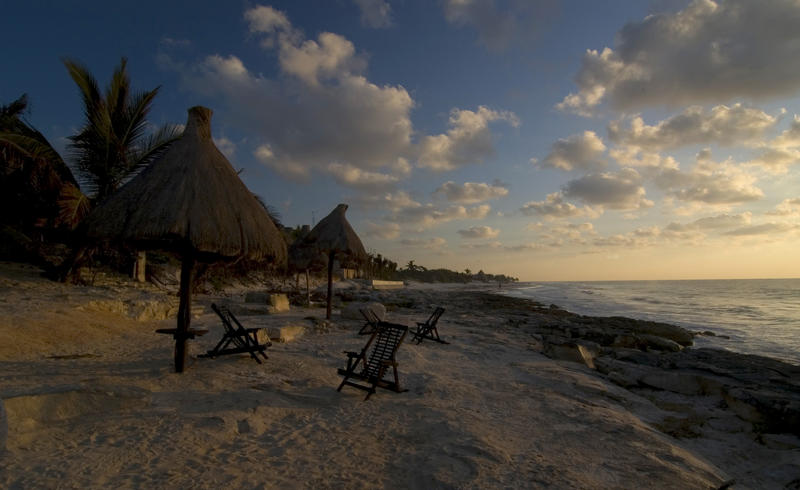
(758,316)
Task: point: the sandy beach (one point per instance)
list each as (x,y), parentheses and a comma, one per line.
(91,402)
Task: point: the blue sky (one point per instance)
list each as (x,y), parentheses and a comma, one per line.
(551,140)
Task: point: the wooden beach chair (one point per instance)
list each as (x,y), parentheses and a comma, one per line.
(366,369)
(428,330)
(236,339)
(372,321)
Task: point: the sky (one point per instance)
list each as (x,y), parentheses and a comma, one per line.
(547,140)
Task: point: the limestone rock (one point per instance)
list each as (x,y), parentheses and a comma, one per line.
(350,312)
(285,333)
(565,350)
(279,303)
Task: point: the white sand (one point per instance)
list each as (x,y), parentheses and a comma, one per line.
(484,411)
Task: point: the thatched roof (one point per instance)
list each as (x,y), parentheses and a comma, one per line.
(335,234)
(190,196)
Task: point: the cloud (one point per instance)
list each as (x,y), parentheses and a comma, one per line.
(427,216)
(710,183)
(721,124)
(226,146)
(375,13)
(384,231)
(349,175)
(711,51)
(712,223)
(479,232)
(391,201)
(434,243)
(633,156)
(499,23)
(471,192)
(467,141)
(776,160)
(319,110)
(788,208)
(482,246)
(554,207)
(621,190)
(579,151)
(763,229)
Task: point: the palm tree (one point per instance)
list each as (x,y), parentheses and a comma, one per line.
(36,183)
(114,142)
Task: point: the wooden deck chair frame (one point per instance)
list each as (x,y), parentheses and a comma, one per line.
(428,330)
(243,340)
(372,321)
(366,369)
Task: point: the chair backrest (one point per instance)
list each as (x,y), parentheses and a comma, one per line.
(385,341)
(369,315)
(225,315)
(437,313)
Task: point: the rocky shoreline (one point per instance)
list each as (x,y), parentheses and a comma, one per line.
(701,392)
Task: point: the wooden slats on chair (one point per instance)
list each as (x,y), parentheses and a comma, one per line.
(428,329)
(372,321)
(244,340)
(366,369)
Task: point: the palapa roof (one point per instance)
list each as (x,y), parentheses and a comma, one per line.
(190,196)
(334,233)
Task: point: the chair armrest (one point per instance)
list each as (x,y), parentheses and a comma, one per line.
(352,354)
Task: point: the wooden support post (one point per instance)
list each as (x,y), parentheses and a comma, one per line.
(308,291)
(184,311)
(140,266)
(330,282)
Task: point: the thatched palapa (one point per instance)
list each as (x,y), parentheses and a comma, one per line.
(190,201)
(335,236)
(191,196)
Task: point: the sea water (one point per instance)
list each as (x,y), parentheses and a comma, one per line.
(752,316)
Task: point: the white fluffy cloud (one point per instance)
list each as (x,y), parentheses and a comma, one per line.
(434,243)
(384,231)
(621,190)
(579,151)
(788,208)
(710,183)
(722,124)
(321,110)
(711,51)
(350,175)
(479,232)
(712,223)
(554,207)
(467,141)
(471,192)
(428,216)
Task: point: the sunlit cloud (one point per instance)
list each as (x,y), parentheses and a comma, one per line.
(621,190)
(435,243)
(746,48)
(384,231)
(468,140)
(554,207)
(709,182)
(788,208)
(479,232)
(428,216)
(765,229)
(722,125)
(350,175)
(471,192)
(579,151)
